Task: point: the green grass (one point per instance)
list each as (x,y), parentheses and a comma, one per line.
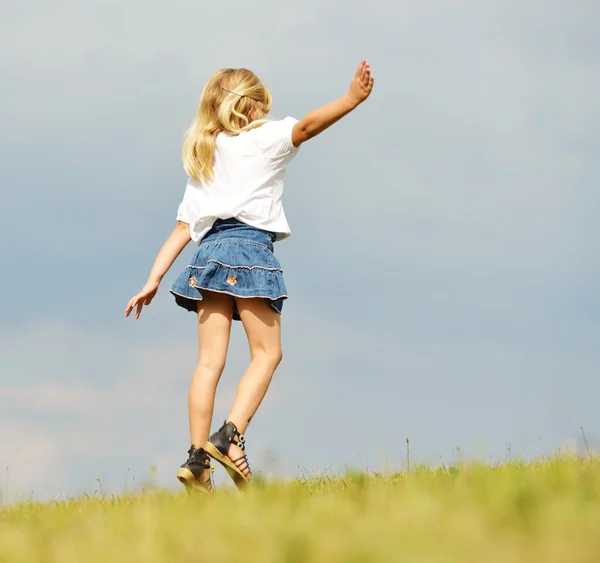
(546,511)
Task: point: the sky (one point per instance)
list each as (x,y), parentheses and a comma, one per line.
(443,265)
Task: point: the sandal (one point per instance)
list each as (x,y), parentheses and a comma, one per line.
(193,469)
(217,447)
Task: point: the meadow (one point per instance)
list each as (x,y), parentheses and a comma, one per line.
(544,511)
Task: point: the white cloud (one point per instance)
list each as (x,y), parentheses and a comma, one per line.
(30,460)
(132,405)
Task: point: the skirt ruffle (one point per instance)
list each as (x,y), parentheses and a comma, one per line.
(239,268)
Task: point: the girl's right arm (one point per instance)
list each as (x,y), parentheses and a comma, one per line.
(320,119)
(169,252)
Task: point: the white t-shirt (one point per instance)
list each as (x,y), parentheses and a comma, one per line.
(247,184)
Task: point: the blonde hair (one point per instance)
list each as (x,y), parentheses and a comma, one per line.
(233,100)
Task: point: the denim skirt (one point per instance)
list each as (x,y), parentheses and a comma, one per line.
(236,259)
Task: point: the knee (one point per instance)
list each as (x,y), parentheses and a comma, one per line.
(273,356)
(212,365)
(278,356)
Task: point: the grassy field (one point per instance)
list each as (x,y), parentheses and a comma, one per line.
(542,512)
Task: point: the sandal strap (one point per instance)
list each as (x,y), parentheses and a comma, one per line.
(245,464)
(241,439)
(238,439)
(236,432)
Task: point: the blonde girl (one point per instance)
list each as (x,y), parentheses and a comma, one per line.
(232,208)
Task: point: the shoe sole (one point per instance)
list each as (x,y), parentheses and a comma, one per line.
(190,482)
(240,480)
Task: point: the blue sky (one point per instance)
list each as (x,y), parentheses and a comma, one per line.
(443,266)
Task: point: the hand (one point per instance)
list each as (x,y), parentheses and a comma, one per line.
(144,297)
(362,83)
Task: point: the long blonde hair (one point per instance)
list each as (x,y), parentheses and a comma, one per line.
(233,100)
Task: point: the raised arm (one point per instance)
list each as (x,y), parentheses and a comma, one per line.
(320,119)
(171,249)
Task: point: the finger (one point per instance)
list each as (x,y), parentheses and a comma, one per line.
(135,301)
(366,75)
(130,306)
(140,306)
(360,68)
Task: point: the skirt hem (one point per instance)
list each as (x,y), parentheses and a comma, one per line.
(181,299)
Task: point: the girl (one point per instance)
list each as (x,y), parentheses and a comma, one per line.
(232,209)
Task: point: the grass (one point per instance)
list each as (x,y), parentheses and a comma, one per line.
(544,511)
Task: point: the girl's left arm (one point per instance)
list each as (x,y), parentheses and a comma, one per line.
(169,252)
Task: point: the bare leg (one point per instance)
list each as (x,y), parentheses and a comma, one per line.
(263,329)
(214,325)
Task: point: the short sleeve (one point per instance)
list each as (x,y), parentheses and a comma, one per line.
(183,212)
(287,125)
(276,137)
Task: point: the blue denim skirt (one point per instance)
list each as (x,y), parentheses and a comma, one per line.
(236,259)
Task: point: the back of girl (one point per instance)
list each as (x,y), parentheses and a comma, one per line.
(232,208)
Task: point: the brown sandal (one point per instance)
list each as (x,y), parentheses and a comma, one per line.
(192,470)
(217,447)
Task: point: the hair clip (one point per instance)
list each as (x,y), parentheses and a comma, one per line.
(231,92)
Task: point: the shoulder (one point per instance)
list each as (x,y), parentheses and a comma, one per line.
(277,126)
(275,136)
(192,184)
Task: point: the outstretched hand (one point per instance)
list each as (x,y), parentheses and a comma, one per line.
(144,297)
(362,83)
